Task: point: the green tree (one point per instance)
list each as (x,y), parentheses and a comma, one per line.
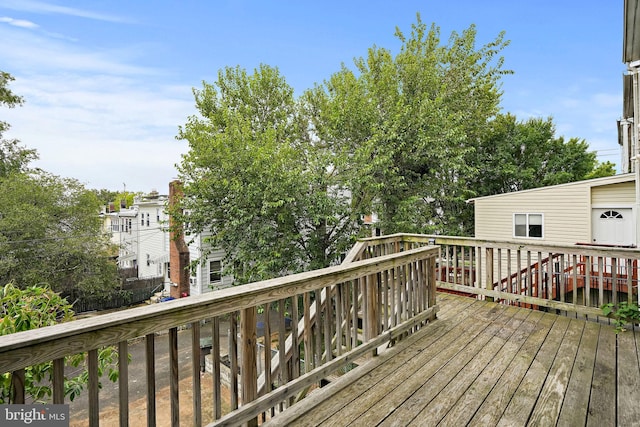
(50,233)
(257,183)
(37,307)
(408,121)
(13,156)
(518,155)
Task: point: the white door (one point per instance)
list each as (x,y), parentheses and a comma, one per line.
(614,226)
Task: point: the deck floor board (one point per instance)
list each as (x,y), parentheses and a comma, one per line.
(482,363)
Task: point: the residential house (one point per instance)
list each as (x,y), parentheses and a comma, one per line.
(597,211)
(207,274)
(141,233)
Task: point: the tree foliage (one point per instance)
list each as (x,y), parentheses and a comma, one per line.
(409,121)
(37,307)
(256,183)
(13,156)
(281,183)
(50,233)
(518,155)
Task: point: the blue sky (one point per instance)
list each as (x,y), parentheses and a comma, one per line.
(107,83)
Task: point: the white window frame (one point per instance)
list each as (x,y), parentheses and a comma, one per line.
(527,224)
(219,272)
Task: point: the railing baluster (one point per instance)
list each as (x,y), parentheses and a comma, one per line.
(150,354)
(58,382)
(561,276)
(348,319)
(444,261)
(499,265)
(394,300)
(431,283)
(248,318)
(575,279)
(614,280)
(354,313)
(540,284)
(408,287)
(477,265)
(317,359)
(587,280)
(399,292)
(509,283)
(529,280)
(174,380)
(295,354)
(328,315)
(267,350)
(519,273)
(422,289)
(488,259)
(282,348)
(93,387)
(339,318)
(471,266)
(123,382)
(385,299)
(195,373)
(308,337)
(233,359)
(17,386)
(364,313)
(629,269)
(600,281)
(215,361)
(455,265)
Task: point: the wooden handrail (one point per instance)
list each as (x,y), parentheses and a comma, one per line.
(355,290)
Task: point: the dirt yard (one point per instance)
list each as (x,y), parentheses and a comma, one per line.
(138,408)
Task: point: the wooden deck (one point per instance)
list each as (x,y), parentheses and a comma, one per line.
(486,364)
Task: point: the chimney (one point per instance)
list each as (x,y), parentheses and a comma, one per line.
(178,250)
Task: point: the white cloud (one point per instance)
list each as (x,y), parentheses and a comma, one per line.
(19,22)
(106,133)
(49,8)
(96,116)
(27,52)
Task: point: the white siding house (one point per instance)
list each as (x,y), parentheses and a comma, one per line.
(142,235)
(207,276)
(599,211)
(140,232)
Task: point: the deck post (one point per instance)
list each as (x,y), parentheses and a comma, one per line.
(372,311)
(488,259)
(248,338)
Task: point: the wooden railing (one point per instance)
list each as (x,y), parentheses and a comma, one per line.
(575,279)
(312,326)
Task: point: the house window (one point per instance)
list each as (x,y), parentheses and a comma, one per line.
(527,225)
(147,219)
(215,272)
